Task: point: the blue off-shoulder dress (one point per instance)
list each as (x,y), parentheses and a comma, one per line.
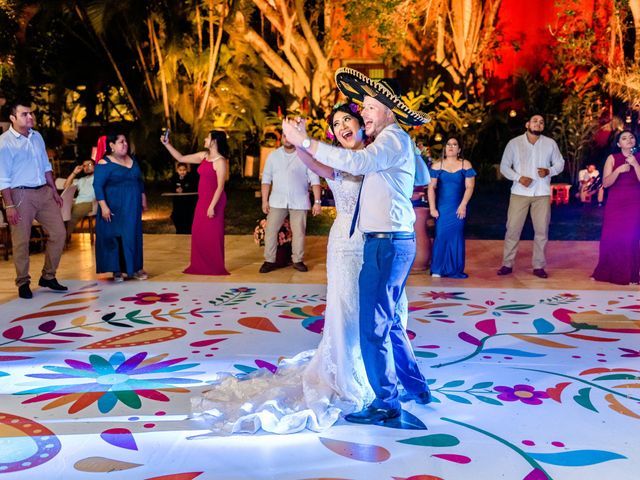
(448,247)
(119,242)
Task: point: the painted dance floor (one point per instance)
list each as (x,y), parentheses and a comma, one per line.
(528,384)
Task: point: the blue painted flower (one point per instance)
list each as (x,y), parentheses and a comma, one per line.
(108,381)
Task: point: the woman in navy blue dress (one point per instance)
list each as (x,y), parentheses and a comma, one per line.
(121,200)
(451,187)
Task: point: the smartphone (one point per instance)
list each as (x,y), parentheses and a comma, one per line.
(165,134)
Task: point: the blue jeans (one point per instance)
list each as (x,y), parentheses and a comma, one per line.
(386,350)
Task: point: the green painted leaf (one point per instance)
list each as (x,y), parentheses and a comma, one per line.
(453,384)
(482,385)
(516,306)
(583,399)
(132,315)
(119,324)
(137,320)
(425,354)
(435,440)
(618,376)
(456,398)
(489,400)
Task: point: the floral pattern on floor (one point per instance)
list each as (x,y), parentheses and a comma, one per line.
(527,384)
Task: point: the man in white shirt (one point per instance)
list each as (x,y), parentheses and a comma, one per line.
(384,215)
(29,193)
(285,191)
(83,203)
(589,179)
(529,160)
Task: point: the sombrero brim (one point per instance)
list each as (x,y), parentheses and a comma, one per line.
(356,86)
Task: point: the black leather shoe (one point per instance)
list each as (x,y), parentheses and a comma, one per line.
(539,272)
(52,284)
(24,291)
(268,267)
(505,270)
(421,398)
(301,267)
(373,416)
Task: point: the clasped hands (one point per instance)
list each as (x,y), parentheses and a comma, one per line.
(526,181)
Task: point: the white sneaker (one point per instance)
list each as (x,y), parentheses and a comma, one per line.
(117,277)
(435,275)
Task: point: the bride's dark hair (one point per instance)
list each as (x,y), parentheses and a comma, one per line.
(350,109)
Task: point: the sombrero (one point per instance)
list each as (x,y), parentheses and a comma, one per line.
(356,86)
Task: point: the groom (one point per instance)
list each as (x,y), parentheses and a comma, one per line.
(384,215)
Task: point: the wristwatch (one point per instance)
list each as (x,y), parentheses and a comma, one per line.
(318,202)
(306,144)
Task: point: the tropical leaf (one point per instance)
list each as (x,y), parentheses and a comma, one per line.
(456,398)
(515,306)
(469,339)
(259,323)
(357,451)
(618,376)
(576,458)
(591,338)
(489,400)
(487,326)
(616,406)
(453,384)
(482,385)
(543,326)
(540,341)
(514,353)
(435,440)
(583,399)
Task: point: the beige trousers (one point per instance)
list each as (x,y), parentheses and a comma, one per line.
(36,205)
(519,207)
(275,219)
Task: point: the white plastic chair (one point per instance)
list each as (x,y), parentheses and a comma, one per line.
(59,182)
(67,202)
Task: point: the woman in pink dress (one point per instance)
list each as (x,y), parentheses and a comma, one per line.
(619,260)
(207,232)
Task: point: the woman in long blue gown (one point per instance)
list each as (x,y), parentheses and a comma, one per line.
(451,187)
(120,194)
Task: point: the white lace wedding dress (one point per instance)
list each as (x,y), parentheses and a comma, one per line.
(312,389)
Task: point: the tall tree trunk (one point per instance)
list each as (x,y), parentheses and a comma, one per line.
(163,79)
(84,18)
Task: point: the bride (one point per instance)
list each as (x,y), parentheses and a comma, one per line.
(312,389)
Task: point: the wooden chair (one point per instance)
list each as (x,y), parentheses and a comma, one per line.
(67,202)
(5,237)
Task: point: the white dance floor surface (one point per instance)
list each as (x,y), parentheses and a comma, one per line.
(528,384)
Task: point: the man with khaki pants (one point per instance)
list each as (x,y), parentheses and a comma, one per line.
(529,160)
(29,193)
(285,191)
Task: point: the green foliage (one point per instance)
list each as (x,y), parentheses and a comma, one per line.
(452,114)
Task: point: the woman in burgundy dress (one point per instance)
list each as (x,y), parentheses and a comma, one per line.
(207,231)
(619,261)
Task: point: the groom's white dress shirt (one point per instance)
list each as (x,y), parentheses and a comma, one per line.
(388,165)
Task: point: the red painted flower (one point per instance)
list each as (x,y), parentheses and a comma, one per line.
(149,298)
(523,393)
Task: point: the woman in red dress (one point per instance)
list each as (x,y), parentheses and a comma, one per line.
(619,260)
(207,231)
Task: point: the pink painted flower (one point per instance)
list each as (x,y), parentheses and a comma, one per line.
(433,295)
(523,393)
(149,298)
